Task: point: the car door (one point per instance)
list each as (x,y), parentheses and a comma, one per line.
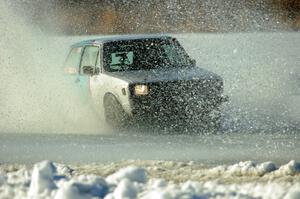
(89,60)
(72,62)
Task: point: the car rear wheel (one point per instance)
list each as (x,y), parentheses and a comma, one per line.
(115,115)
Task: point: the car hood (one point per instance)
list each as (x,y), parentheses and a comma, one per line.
(173,74)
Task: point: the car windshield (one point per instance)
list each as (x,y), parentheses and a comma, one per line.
(144,54)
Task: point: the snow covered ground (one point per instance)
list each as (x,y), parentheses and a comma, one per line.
(162,166)
(185,180)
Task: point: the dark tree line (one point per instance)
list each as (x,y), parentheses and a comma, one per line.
(151,16)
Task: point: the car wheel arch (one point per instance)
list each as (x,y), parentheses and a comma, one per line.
(114,112)
(110,95)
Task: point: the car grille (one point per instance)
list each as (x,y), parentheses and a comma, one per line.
(186,90)
(180,94)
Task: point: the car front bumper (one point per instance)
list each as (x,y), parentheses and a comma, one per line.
(170,106)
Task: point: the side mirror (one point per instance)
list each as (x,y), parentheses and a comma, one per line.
(97,71)
(193,62)
(88,70)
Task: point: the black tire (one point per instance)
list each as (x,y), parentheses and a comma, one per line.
(115,115)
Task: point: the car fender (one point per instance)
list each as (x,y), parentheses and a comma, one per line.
(119,89)
(118,99)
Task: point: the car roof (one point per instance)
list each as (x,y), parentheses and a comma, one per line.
(107,39)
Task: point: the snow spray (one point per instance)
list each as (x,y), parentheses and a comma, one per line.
(35,96)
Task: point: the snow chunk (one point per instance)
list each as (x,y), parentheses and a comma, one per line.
(2,179)
(83,186)
(63,169)
(293,195)
(242,168)
(189,190)
(125,189)
(158,194)
(42,178)
(132,173)
(21,177)
(69,191)
(158,183)
(191,187)
(290,168)
(266,167)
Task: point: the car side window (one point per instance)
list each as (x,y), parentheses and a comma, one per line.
(121,60)
(89,57)
(73,60)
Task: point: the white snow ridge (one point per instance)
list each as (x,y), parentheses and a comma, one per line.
(243,180)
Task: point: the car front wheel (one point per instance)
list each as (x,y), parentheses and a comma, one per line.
(115,115)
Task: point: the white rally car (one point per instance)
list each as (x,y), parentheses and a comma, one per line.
(145,79)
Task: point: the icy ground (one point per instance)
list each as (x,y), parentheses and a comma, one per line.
(150,180)
(223,148)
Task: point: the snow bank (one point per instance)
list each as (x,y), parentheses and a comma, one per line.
(52,180)
(292,168)
(245,168)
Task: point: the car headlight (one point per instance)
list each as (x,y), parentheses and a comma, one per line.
(141,89)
